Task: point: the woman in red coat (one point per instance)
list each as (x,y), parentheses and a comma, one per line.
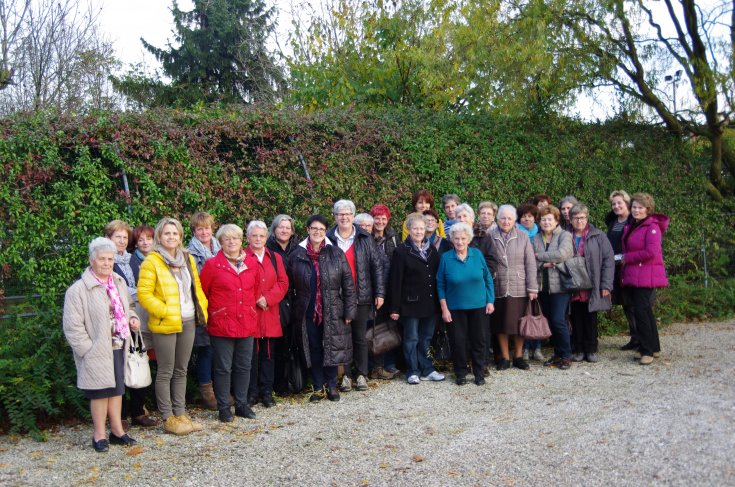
(643,270)
(231,281)
(273,288)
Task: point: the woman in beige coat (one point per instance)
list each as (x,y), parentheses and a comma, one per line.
(513,265)
(97,322)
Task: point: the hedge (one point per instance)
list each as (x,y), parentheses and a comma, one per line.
(61,181)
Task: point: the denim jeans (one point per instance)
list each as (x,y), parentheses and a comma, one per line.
(320,375)
(554,307)
(204,364)
(417,333)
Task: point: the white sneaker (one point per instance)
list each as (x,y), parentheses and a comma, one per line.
(537,355)
(434,376)
(346,385)
(413,380)
(525,355)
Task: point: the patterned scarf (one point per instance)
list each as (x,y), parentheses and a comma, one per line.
(313,255)
(423,250)
(178,268)
(200,249)
(123,262)
(118,311)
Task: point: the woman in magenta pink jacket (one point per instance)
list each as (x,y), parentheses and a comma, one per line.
(231,282)
(643,270)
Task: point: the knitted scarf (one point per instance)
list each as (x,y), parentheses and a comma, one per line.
(313,255)
(178,268)
(200,249)
(121,328)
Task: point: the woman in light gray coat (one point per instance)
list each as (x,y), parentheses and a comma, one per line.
(552,246)
(97,322)
(599,257)
(513,266)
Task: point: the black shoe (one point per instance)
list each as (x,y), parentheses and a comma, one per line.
(244,411)
(101,446)
(461,381)
(552,362)
(631,345)
(267,401)
(333,394)
(316,397)
(519,363)
(124,440)
(252,401)
(479,381)
(502,365)
(225,415)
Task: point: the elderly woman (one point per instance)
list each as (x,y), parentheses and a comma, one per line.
(486,212)
(465,214)
(97,322)
(169,289)
(527,223)
(366,263)
(273,287)
(283,241)
(385,236)
(413,298)
(203,247)
(232,283)
(553,246)
(599,259)
(325,303)
(565,205)
(617,220)
(466,296)
(421,201)
(431,219)
(643,270)
(514,272)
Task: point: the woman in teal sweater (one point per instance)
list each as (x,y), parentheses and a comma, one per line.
(466,295)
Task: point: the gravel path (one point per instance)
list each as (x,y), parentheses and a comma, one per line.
(610,423)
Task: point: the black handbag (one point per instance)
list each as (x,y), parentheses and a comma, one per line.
(574,276)
(383,337)
(295,370)
(442,347)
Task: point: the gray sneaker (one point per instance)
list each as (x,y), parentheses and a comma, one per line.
(434,376)
(361,383)
(525,355)
(537,355)
(592,357)
(346,385)
(578,357)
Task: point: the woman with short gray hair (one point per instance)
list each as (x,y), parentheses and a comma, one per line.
(465,290)
(513,266)
(98,319)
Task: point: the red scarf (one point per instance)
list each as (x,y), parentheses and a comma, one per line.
(314,257)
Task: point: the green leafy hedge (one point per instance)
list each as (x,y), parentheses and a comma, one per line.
(61,181)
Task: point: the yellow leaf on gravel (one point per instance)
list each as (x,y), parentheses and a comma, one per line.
(417,458)
(135,451)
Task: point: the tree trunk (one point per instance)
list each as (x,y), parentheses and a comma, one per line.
(715,168)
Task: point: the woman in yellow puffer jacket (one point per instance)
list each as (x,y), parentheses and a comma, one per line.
(169,289)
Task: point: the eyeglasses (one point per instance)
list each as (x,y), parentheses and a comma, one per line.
(317,229)
(579,218)
(342,215)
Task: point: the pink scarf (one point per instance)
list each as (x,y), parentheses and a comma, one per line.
(118,311)
(313,255)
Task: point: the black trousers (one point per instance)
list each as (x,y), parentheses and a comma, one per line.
(467,333)
(359,339)
(584,328)
(642,300)
(262,368)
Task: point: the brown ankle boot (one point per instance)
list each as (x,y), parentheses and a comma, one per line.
(208,399)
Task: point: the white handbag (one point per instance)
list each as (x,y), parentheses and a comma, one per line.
(137,370)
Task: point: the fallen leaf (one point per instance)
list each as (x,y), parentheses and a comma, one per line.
(135,451)
(136,465)
(4,465)
(36,454)
(417,458)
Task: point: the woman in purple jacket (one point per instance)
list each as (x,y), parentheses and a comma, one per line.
(643,270)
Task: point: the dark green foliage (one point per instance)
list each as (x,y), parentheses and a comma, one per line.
(61,182)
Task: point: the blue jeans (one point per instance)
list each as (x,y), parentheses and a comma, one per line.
(532,344)
(320,375)
(554,307)
(417,333)
(204,365)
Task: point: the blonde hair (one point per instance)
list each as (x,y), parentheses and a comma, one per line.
(621,193)
(116,225)
(645,200)
(167,220)
(413,218)
(201,219)
(228,231)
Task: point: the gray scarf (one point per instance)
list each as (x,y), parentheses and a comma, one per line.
(177,266)
(199,249)
(423,251)
(123,262)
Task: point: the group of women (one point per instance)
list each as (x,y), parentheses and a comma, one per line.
(230,302)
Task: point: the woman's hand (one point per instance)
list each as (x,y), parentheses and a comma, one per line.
(394,316)
(489,308)
(532,296)
(347,322)
(379,302)
(446,316)
(605,293)
(262,303)
(549,265)
(134,324)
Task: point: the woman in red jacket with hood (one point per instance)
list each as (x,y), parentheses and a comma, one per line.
(231,281)
(643,270)
(273,288)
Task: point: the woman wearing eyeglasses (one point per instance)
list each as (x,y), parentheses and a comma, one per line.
(325,303)
(598,254)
